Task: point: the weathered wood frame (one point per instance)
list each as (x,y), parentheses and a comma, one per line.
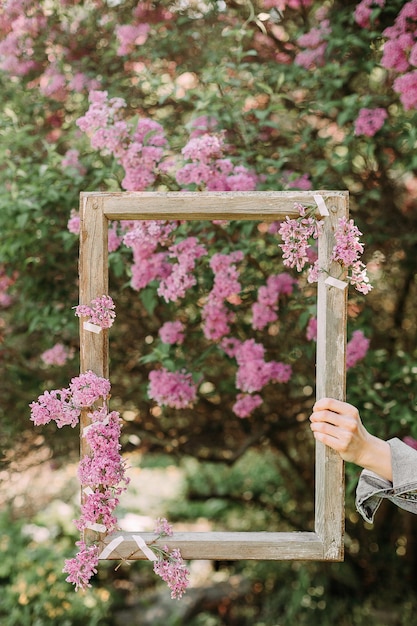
(96,209)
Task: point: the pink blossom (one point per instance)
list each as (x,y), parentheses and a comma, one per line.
(406,86)
(147,269)
(356,348)
(216,316)
(74,222)
(53,83)
(173,389)
(347,248)
(315,42)
(57,355)
(131,35)
(181,277)
(114,239)
(216,319)
(98,508)
(172,569)
(55,405)
(292,180)
(163,528)
(87,388)
(100,311)
(296,235)
(254,372)
(230,346)
(394,56)
(172,332)
(202,125)
(245,404)
(209,169)
(83,566)
(369,121)
(265,310)
(139,150)
(363,11)
(105,466)
(311,332)
(71,161)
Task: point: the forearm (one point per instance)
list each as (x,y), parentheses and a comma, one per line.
(376,457)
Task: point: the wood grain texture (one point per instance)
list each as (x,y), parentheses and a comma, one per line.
(93,282)
(330,381)
(225,545)
(251,205)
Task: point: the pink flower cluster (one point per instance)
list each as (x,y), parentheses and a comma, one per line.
(363,11)
(253,373)
(170,565)
(400,53)
(296,235)
(174,389)
(181,276)
(216,316)
(83,566)
(104,467)
(246,404)
(100,312)
(265,310)
(369,121)
(143,238)
(347,251)
(172,332)
(356,348)
(138,150)
(64,406)
(315,44)
(71,161)
(172,569)
(57,355)
(102,471)
(210,170)
(130,36)
(18,36)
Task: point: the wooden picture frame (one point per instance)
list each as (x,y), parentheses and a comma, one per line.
(96,209)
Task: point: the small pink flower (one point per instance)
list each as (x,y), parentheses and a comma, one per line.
(311,332)
(74,222)
(172,569)
(163,527)
(245,404)
(100,311)
(356,348)
(57,355)
(172,332)
(370,121)
(83,566)
(173,389)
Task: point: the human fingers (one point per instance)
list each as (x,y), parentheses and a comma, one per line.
(337,406)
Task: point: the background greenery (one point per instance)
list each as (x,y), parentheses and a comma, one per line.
(218,59)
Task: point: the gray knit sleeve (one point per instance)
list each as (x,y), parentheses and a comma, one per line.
(402,491)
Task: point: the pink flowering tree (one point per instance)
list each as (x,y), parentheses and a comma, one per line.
(214,339)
